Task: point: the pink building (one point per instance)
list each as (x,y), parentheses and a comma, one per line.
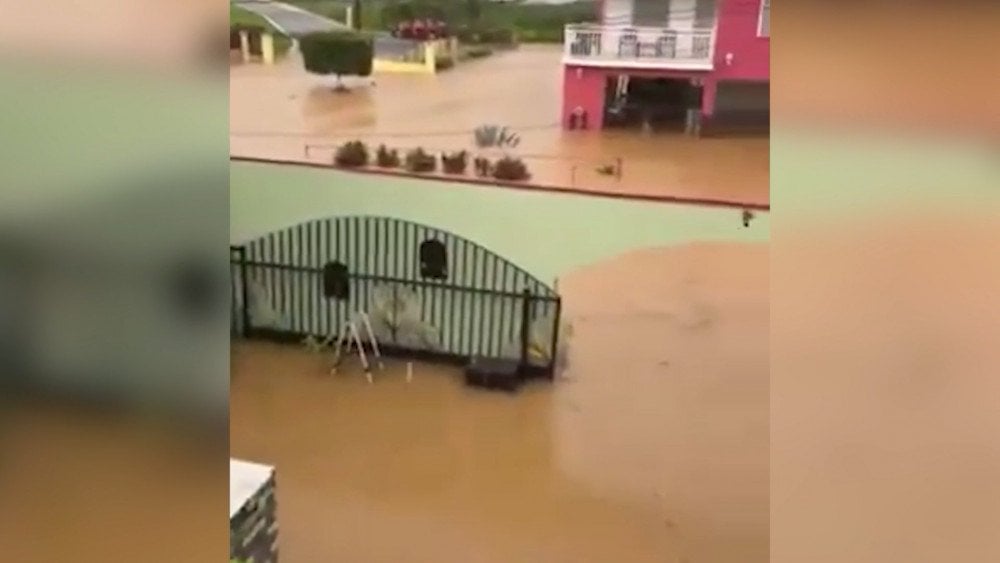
(689,64)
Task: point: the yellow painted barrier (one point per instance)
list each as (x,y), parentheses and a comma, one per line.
(267,48)
(428,64)
(267,54)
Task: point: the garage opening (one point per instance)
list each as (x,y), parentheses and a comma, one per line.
(651,104)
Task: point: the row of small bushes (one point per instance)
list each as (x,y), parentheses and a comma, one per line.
(356,154)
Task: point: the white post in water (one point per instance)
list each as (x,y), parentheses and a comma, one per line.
(245,45)
(430,57)
(349,17)
(267,48)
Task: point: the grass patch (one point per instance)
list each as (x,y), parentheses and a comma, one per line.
(242,17)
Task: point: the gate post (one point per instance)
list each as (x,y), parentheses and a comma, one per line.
(245,309)
(525,326)
(554,355)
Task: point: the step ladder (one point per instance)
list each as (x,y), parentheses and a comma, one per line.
(350,335)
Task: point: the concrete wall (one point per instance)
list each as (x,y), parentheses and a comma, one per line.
(423,60)
(548,234)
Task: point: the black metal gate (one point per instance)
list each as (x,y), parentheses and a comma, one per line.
(430,293)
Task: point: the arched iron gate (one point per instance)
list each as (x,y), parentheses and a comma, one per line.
(475,303)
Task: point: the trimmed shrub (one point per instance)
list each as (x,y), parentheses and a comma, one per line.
(419,160)
(386,157)
(455,163)
(353,154)
(341,53)
(509,168)
(483,167)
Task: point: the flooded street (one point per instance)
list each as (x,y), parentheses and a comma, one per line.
(276,111)
(652,447)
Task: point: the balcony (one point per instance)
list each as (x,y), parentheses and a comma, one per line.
(638,47)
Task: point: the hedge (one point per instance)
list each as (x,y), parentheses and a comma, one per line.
(337,52)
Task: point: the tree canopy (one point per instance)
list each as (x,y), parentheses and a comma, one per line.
(337,52)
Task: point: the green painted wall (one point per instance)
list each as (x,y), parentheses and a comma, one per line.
(547,234)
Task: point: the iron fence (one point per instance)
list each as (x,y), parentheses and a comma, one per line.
(429,293)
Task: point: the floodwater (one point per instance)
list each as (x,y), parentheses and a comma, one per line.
(276,111)
(652,446)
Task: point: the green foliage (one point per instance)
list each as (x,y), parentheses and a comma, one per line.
(241,19)
(541,35)
(532,22)
(510,168)
(455,163)
(473,10)
(337,52)
(356,14)
(386,157)
(479,35)
(419,160)
(353,154)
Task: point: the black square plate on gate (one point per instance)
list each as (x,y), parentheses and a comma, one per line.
(493,373)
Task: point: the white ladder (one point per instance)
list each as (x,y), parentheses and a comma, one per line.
(349,334)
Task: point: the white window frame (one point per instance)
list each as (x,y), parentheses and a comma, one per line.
(760,19)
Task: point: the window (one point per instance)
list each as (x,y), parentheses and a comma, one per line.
(433,260)
(336,281)
(764,24)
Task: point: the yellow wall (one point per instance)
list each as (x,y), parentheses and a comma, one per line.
(266,47)
(425,66)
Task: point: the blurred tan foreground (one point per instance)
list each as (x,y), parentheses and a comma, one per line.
(96,100)
(885,431)
(93,487)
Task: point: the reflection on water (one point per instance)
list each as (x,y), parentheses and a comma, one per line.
(652,447)
(275,111)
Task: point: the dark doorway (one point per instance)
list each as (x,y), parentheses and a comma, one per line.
(660,104)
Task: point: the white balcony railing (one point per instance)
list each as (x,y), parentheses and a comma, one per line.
(639,47)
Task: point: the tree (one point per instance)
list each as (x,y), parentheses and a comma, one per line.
(338,53)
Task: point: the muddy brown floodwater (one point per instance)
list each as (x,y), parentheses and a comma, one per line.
(651,447)
(276,111)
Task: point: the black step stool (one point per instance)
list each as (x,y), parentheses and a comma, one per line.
(493,373)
